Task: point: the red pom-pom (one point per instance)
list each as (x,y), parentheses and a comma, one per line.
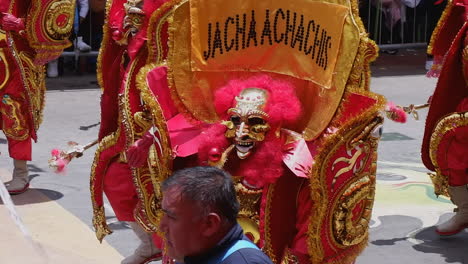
(214,154)
(55,153)
(117,35)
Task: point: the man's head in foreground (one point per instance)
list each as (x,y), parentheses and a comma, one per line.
(200,207)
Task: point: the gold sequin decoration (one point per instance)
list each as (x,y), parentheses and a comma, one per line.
(267,231)
(56,33)
(446,124)
(439,26)
(345,135)
(289,258)
(6,74)
(19,130)
(249,200)
(106,37)
(99,223)
(157,20)
(347,231)
(33,81)
(99,219)
(159,167)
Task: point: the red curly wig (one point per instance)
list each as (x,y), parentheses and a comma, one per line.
(282,104)
(265,165)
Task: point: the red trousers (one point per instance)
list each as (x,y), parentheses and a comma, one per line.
(120,190)
(14,109)
(20,150)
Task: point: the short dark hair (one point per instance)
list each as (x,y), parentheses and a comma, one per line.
(211,188)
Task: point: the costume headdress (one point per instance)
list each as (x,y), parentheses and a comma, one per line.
(219,48)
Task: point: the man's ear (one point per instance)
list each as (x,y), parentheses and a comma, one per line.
(212,224)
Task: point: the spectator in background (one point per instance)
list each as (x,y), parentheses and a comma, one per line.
(200,219)
(80,15)
(83,9)
(434,12)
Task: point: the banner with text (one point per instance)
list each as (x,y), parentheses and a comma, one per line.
(299,38)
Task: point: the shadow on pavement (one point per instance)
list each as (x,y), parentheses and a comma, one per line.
(90,126)
(34,168)
(34,196)
(115,224)
(453,248)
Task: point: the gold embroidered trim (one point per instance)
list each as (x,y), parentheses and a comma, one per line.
(99,223)
(267,246)
(465,59)
(6,74)
(105,39)
(19,130)
(127,115)
(33,81)
(249,218)
(159,167)
(440,23)
(146,210)
(178,102)
(366,115)
(289,258)
(359,78)
(347,134)
(156,22)
(99,219)
(53,32)
(440,183)
(36,77)
(346,231)
(445,124)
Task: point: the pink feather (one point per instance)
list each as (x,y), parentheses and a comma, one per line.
(395,113)
(55,153)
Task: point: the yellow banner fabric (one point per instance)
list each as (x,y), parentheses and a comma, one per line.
(299,39)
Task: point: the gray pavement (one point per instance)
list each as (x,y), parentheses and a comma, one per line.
(405,209)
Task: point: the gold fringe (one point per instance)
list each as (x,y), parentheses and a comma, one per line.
(106,38)
(447,123)
(445,14)
(99,223)
(156,22)
(99,219)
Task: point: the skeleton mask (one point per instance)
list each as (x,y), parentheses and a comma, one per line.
(248,123)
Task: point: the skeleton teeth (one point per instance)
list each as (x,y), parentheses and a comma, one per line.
(243,149)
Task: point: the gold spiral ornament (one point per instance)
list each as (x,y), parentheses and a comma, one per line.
(59,19)
(353,212)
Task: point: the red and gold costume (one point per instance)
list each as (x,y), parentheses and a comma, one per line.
(31,34)
(276,93)
(445,143)
(23,54)
(125,117)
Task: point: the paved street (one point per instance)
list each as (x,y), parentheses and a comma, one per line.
(57,210)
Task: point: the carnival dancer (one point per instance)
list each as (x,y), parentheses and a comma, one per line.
(445,143)
(278,95)
(124,120)
(25,46)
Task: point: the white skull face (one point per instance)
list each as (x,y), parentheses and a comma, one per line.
(248,123)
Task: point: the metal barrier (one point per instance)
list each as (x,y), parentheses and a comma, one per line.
(91,32)
(394,24)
